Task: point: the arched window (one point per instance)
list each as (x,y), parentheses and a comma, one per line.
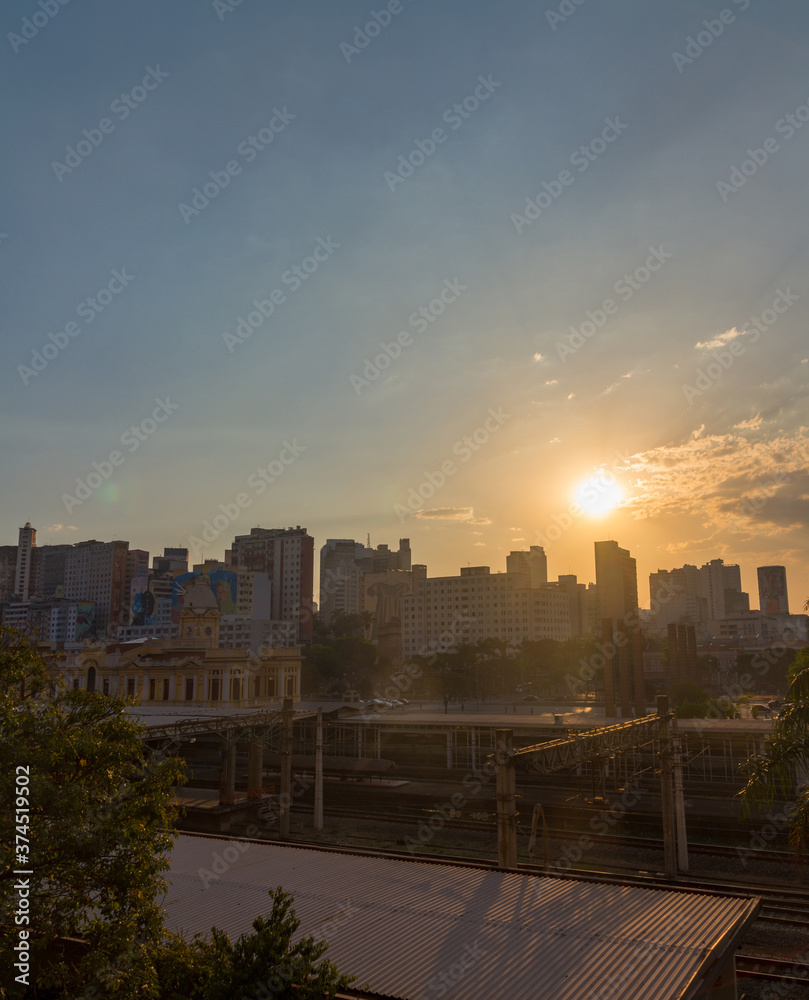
(91,679)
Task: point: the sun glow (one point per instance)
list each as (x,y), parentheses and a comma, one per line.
(598,495)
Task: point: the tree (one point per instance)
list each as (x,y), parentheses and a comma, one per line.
(96,831)
(97,825)
(781,770)
(264,963)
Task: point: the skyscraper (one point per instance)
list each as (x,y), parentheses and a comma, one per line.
(25,562)
(772,590)
(287,555)
(617,581)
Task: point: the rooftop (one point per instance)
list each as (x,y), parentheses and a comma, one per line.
(421,929)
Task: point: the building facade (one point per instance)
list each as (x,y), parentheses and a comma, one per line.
(443,612)
(287,556)
(617,581)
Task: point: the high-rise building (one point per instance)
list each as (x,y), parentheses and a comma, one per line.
(585,613)
(533,564)
(8,572)
(96,572)
(772,590)
(617,581)
(344,563)
(443,612)
(50,562)
(287,555)
(25,562)
(699,596)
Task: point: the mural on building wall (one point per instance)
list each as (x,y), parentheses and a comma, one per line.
(223,584)
(773,591)
(85,621)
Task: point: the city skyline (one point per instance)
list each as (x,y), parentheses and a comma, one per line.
(762,573)
(442,278)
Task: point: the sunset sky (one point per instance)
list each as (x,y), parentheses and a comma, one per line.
(642,319)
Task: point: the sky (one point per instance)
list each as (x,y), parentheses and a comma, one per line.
(410,270)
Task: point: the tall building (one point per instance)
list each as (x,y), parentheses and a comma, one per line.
(617,581)
(699,596)
(96,572)
(443,612)
(343,565)
(8,572)
(50,562)
(533,564)
(287,555)
(25,562)
(772,590)
(585,613)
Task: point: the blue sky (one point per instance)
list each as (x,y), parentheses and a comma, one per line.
(705,466)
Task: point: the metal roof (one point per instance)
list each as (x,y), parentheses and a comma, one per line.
(419,930)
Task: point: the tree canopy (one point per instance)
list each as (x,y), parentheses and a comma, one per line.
(95,828)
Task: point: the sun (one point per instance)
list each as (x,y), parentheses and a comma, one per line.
(598,495)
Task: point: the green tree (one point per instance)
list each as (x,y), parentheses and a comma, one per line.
(99,825)
(781,771)
(264,963)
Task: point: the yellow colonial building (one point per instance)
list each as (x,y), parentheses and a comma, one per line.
(191,670)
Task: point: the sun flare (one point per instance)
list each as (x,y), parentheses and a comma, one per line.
(598,495)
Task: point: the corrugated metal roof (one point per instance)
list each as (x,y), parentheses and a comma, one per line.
(421,931)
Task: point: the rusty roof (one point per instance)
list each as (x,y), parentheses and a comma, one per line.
(421,930)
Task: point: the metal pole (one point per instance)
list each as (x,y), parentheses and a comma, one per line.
(286,770)
(255,769)
(506,800)
(667,791)
(227,774)
(679,803)
(319,773)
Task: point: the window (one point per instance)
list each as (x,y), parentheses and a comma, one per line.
(214,689)
(165,689)
(189,689)
(152,686)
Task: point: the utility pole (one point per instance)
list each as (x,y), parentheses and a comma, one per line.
(679,803)
(506,800)
(667,790)
(227,772)
(285,798)
(319,773)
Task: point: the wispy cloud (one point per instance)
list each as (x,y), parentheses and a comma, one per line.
(466,514)
(720,341)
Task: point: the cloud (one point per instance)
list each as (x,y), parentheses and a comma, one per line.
(466,514)
(61,527)
(752,424)
(446,513)
(540,357)
(720,341)
(571,395)
(751,483)
(552,381)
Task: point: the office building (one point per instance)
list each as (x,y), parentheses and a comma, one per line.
(25,562)
(443,612)
(617,581)
(772,590)
(287,556)
(96,572)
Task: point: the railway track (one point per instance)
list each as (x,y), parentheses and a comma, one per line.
(615,840)
(770,970)
(780,905)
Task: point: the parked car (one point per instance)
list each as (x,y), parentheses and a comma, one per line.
(530,697)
